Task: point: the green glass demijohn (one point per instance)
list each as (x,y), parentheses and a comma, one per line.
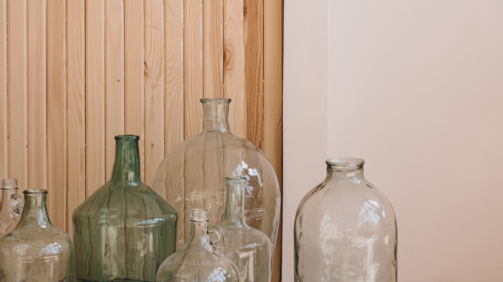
(125,230)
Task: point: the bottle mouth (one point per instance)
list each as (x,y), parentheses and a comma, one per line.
(235,180)
(199,215)
(127,137)
(215,100)
(345,163)
(35,191)
(9,184)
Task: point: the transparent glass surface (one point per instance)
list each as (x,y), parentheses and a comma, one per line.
(197,260)
(35,251)
(11,206)
(193,174)
(345,229)
(124,231)
(248,248)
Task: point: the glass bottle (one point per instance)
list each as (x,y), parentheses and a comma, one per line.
(11,206)
(192,174)
(124,231)
(345,229)
(35,251)
(248,248)
(197,260)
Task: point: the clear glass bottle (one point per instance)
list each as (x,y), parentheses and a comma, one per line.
(197,260)
(35,251)
(11,206)
(124,231)
(248,248)
(345,229)
(192,174)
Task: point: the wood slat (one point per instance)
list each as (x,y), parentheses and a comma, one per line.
(76,115)
(134,74)
(273,100)
(17,92)
(173,71)
(154,87)
(114,75)
(234,65)
(193,70)
(213,47)
(37,77)
(3,91)
(56,111)
(95,96)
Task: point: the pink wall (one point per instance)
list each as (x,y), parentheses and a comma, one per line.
(415,88)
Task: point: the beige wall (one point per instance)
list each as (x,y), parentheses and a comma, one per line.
(416,89)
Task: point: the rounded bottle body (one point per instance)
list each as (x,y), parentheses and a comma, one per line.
(35,251)
(11,206)
(345,229)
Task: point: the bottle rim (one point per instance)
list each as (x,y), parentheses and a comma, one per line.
(35,191)
(199,215)
(127,137)
(9,184)
(215,100)
(238,179)
(345,162)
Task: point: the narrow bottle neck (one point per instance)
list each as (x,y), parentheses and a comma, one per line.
(7,197)
(198,235)
(234,213)
(35,211)
(354,174)
(216,115)
(127,160)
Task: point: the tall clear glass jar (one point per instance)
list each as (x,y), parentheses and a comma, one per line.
(248,248)
(11,206)
(197,260)
(35,251)
(192,174)
(345,229)
(124,231)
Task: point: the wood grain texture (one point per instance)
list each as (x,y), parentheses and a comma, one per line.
(193,60)
(3,91)
(37,97)
(234,65)
(76,114)
(154,87)
(17,92)
(114,78)
(273,100)
(213,47)
(173,71)
(56,112)
(95,96)
(134,74)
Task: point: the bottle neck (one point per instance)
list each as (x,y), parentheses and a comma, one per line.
(216,115)
(7,197)
(338,173)
(234,213)
(35,211)
(127,159)
(198,235)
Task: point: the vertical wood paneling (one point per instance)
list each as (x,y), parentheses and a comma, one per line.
(273,100)
(95,95)
(17,92)
(56,111)
(76,118)
(213,48)
(3,90)
(173,71)
(37,118)
(154,87)
(234,65)
(134,84)
(193,60)
(114,75)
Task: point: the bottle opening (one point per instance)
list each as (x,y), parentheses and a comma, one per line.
(345,163)
(199,215)
(35,191)
(235,180)
(9,183)
(127,137)
(215,100)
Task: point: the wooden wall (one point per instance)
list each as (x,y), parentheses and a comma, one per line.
(75,73)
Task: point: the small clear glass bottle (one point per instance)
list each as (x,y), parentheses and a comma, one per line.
(11,206)
(35,250)
(246,247)
(197,260)
(345,229)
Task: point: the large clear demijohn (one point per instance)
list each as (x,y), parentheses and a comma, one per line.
(193,175)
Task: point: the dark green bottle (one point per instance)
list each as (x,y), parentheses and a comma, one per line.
(125,230)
